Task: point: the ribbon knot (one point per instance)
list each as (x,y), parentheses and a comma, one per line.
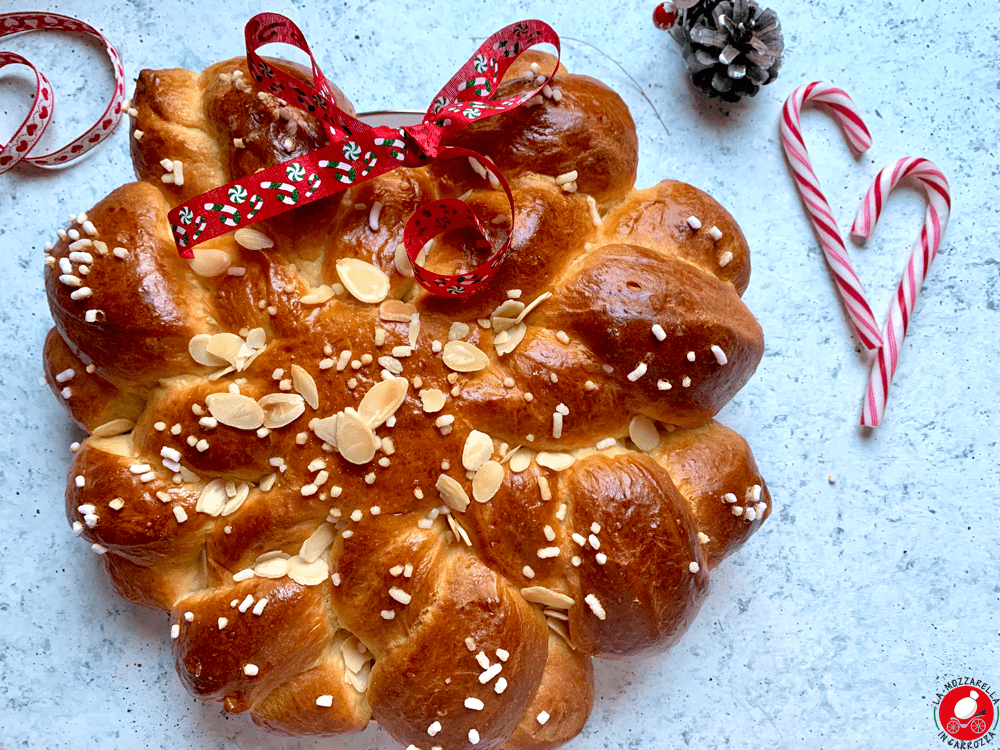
(358,152)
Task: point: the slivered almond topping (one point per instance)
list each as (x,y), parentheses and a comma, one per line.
(554,461)
(514,336)
(355,439)
(317,296)
(364,281)
(317,543)
(396,310)
(234,503)
(198,349)
(432,400)
(382,401)
(643,433)
(212,499)
(464,357)
(303,382)
(487,481)
(210,261)
(251,239)
(326,429)
(520,460)
(308,573)
(353,652)
(257,338)
(113,428)
(281,409)
(458,331)
(452,493)
(275,567)
(477,451)
(547,597)
(226,347)
(532,305)
(241,412)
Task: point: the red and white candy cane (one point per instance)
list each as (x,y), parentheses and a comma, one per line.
(29,132)
(925,248)
(844,110)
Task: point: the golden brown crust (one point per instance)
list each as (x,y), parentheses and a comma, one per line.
(318,577)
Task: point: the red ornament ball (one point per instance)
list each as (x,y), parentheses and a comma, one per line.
(665,16)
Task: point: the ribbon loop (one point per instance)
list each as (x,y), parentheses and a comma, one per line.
(29,132)
(358,152)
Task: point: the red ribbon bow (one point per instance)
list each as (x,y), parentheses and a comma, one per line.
(358,152)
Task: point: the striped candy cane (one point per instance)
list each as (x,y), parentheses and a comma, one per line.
(256,202)
(346,172)
(925,249)
(843,108)
(228,215)
(314,182)
(287,194)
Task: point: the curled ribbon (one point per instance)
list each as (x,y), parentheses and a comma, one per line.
(29,132)
(358,152)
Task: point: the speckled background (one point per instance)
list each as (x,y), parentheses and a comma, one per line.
(838,623)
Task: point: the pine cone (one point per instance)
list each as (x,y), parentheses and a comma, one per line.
(732,47)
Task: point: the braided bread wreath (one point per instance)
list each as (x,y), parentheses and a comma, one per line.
(360,501)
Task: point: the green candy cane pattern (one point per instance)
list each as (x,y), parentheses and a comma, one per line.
(228,215)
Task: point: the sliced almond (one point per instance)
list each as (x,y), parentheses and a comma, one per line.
(462,356)
(326,429)
(520,461)
(198,349)
(257,338)
(452,493)
(354,659)
(487,481)
(268,482)
(303,382)
(355,439)
(514,336)
(477,450)
(236,502)
(213,498)
(281,409)
(234,410)
(308,573)
(364,281)
(458,331)
(396,310)
(251,239)
(317,543)
(221,373)
(414,331)
(273,567)
(506,314)
(547,597)
(112,428)
(225,347)
(643,433)
(359,681)
(317,296)
(432,400)
(532,305)
(554,461)
(209,262)
(382,401)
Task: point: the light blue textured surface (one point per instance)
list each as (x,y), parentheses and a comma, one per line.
(836,625)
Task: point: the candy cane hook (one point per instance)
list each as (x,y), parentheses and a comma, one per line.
(844,110)
(925,248)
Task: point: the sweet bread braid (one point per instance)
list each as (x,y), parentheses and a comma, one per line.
(424,511)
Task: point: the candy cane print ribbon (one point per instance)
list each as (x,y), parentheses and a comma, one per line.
(358,152)
(925,248)
(846,113)
(29,132)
